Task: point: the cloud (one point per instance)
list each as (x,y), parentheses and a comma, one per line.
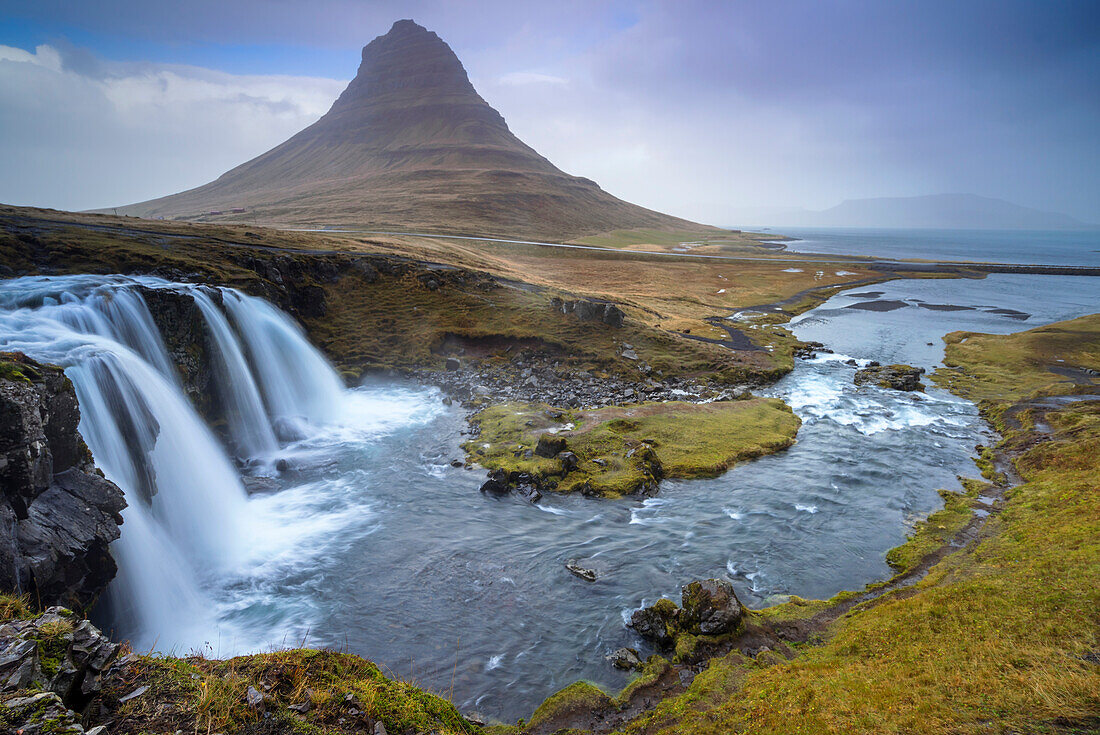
(84,135)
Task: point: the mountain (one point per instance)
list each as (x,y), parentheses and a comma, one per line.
(409,145)
(945,211)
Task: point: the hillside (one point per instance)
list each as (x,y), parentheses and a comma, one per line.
(409,145)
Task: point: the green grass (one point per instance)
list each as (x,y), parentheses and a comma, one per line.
(635,444)
(996,638)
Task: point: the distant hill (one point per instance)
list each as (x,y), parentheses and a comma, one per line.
(946,211)
(409,145)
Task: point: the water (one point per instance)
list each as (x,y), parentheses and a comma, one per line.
(374,542)
(1076,247)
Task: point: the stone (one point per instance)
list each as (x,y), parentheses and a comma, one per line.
(254,698)
(569,462)
(626,659)
(452,364)
(710,607)
(657,623)
(379,729)
(497,484)
(550,445)
(893,377)
(585,573)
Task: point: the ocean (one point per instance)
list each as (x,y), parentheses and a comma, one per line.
(1078,247)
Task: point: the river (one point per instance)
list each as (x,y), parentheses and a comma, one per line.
(370,540)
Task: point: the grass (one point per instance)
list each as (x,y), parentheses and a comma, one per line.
(1011,368)
(620,450)
(345,694)
(999,637)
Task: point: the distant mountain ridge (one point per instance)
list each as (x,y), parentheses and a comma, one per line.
(409,145)
(943,211)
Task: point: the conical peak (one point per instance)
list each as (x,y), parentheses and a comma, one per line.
(409,57)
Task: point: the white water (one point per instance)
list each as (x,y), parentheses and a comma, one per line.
(189,520)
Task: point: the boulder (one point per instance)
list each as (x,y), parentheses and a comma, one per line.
(709,607)
(626,659)
(569,462)
(894,377)
(591,310)
(658,622)
(497,484)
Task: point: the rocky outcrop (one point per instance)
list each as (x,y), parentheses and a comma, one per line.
(50,666)
(894,377)
(588,310)
(708,607)
(58,515)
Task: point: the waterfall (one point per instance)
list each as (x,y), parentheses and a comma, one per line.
(248,423)
(298,383)
(187,519)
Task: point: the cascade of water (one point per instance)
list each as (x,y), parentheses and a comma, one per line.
(248,422)
(187,518)
(298,383)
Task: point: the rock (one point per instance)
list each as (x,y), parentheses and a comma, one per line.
(550,445)
(626,659)
(630,354)
(58,516)
(569,462)
(591,310)
(528,492)
(584,573)
(894,377)
(709,607)
(40,713)
(658,622)
(453,363)
(497,484)
(254,698)
(379,729)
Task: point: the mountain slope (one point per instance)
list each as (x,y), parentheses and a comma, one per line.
(409,145)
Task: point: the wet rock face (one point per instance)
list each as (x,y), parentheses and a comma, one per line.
(894,377)
(49,666)
(57,514)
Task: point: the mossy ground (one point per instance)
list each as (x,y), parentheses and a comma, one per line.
(616,446)
(1001,636)
(346,694)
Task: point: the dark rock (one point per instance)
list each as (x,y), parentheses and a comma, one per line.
(585,573)
(710,607)
(658,622)
(529,492)
(550,445)
(626,659)
(497,484)
(453,363)
(58,516)
(894,377)
(569,462)
(365,269)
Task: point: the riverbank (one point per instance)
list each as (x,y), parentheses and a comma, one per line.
(992,624)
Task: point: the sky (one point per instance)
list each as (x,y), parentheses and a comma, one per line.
(708,110)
